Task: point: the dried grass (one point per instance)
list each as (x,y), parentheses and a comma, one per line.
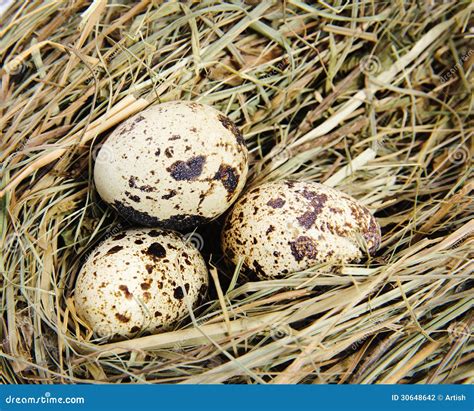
(353,94)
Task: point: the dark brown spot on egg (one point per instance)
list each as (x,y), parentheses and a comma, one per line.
(307,219)
(119,236)
(122,318)
(132,182)
(169,152)
(134,329)
(146,296)
(146,188)
(147,284)
(171,194)
(230,125)
(158,314)
(149,268)
(127,293)
(178,293)
(155,250)
(228,176)
(114,249)
(174,137)
(154,233)
(317,202)
(276,202)
(258,268)
(157,152)
(132,197)
(138,242)
(304,247)
(270,229)
(193,129)
(187,170)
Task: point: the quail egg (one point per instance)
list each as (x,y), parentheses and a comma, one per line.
(287,226)
(174,165)
(139,280)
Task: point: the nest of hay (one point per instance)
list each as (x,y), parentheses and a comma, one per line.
(373,98)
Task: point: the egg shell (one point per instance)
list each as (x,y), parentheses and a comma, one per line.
(139,280)
(174,165)
(287,226)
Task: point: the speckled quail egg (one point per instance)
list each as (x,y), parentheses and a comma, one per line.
(174,165)
(288,226)
(139,280)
